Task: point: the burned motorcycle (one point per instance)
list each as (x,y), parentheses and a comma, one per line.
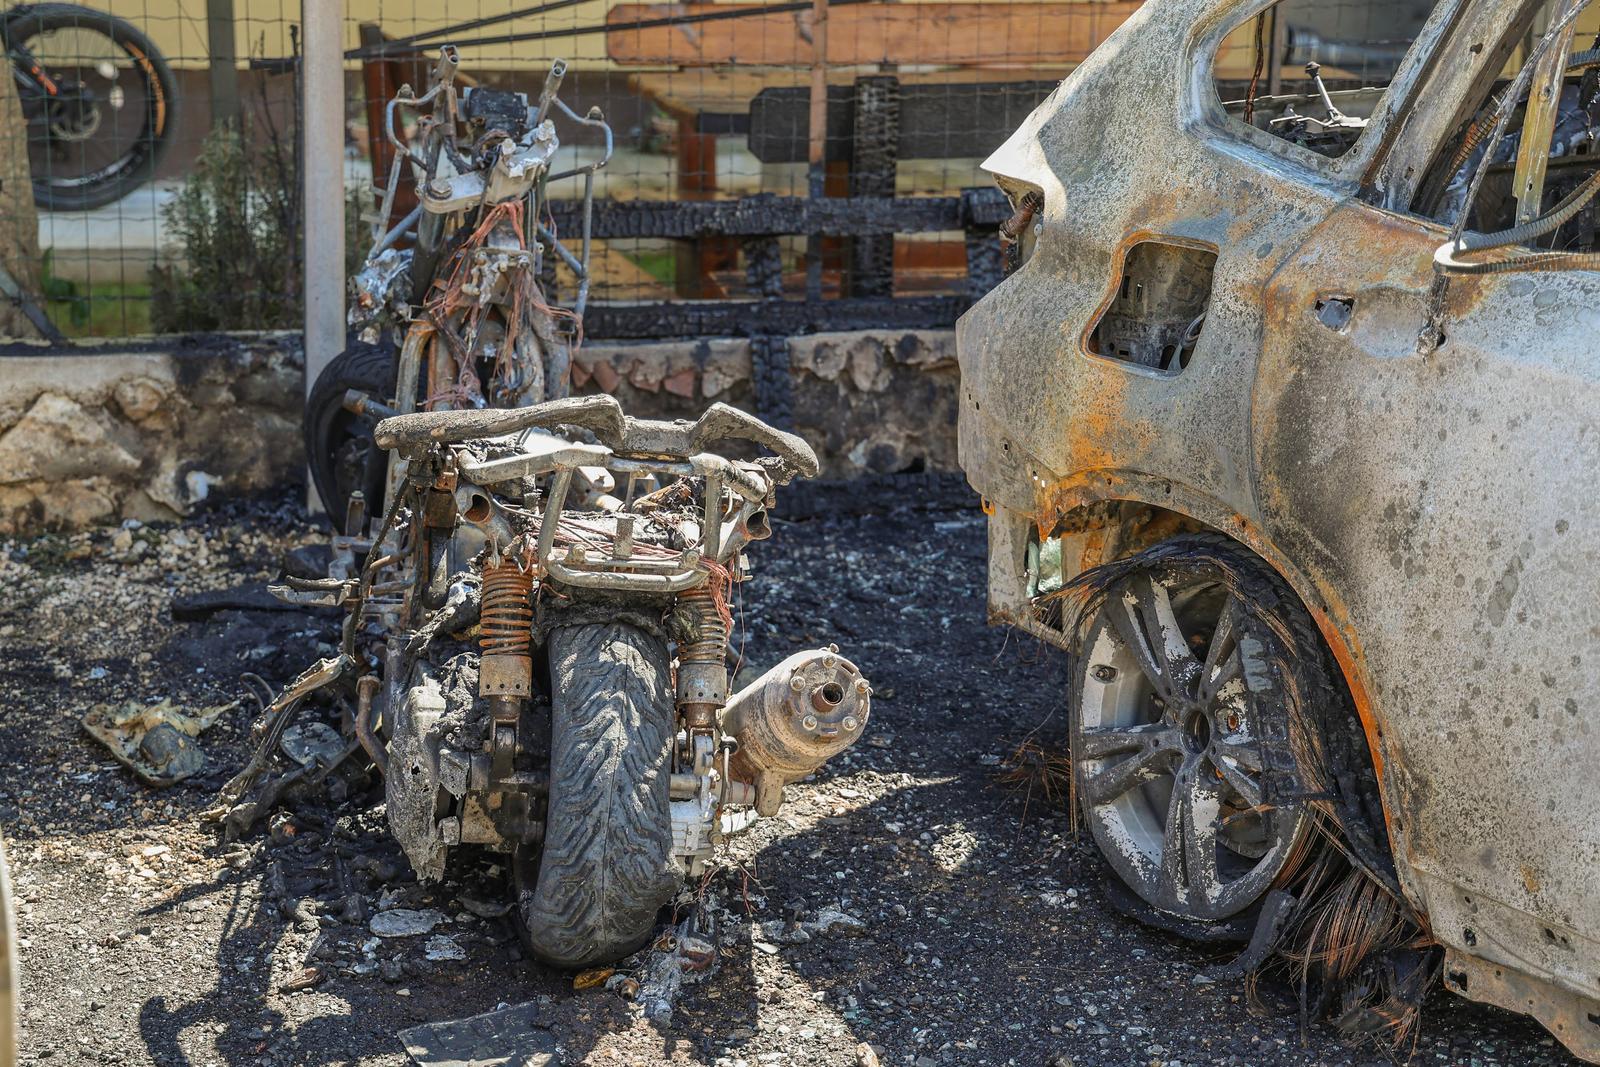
(538,636)
(536,618)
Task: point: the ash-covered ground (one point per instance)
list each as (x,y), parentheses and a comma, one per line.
(976,931)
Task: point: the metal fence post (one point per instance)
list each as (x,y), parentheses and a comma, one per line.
(322,74)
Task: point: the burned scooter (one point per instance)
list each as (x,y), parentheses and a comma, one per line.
(535,642)
(456,303)
(540,667)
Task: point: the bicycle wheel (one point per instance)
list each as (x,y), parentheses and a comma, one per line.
(98,100)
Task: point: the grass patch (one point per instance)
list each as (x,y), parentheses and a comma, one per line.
(101,309)
(661,265)
(94,309)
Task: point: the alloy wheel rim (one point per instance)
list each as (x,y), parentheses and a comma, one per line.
(1173,737)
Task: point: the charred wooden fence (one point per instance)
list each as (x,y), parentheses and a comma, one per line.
(753,226)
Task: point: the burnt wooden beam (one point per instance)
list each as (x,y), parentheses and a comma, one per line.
(940,121)
(779,216)
(874,152)
(986,267)
(773,318)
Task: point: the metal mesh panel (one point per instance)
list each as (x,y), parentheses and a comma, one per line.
(712,104)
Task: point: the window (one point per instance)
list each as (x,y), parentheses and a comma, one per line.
(1514,188)
(1312,71)
(1159,307)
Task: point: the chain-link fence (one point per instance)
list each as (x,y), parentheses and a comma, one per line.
(165,160)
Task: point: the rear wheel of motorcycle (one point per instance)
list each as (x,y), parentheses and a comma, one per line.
(606,866)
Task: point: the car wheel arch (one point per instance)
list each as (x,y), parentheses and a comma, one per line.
(1130,512)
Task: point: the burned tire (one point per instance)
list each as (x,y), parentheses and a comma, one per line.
(606,867)
(1202,701)
(339,446)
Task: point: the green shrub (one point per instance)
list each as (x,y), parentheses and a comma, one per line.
(237,224)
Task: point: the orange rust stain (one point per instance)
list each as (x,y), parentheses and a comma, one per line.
(1096,426)
(1530,880)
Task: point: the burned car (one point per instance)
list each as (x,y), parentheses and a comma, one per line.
(1285,424)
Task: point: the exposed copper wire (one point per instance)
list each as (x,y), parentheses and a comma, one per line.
(458,318)
(1255,76)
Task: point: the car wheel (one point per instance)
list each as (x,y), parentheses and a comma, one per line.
(1188,725)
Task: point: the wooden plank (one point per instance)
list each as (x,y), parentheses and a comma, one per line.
(989,35)
(817,139)
(728,91)
(380,80)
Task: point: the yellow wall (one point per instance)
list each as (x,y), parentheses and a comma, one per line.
(178,27)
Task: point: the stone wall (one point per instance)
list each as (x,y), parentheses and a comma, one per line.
(108,435)
(869,402)
(101,436)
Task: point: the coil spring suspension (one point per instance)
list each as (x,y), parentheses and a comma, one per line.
(702,667)
(505,621)
(505,669)
(506,616)
(711,643)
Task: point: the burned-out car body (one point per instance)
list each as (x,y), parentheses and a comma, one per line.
(1221,329)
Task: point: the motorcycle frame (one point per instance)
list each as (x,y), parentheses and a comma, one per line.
(440,140)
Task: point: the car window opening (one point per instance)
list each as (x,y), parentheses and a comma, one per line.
(1159,308)
(1312,73)
(1540,197)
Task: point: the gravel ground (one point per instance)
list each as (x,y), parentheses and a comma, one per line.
(975,930)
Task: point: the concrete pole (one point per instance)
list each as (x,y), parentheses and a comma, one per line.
(224,62)
(322,81)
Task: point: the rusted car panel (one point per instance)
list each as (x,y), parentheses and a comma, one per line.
(1433,504)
